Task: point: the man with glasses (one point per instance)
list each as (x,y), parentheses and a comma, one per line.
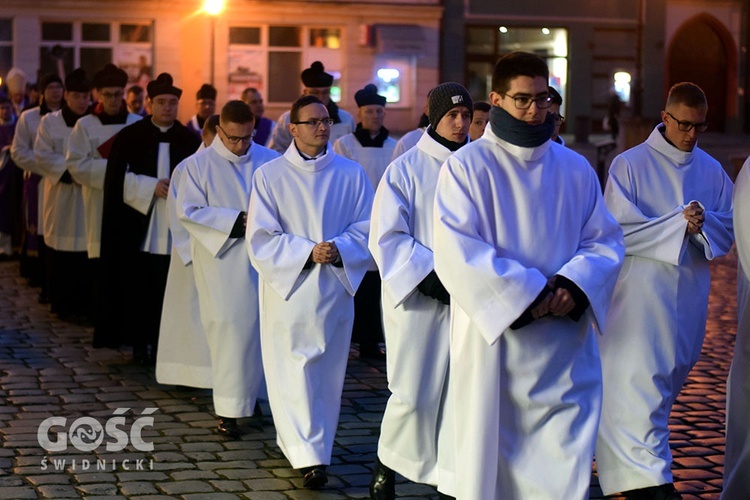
(307,228)
(212,201)
(554,109)
(86,159)
(674,203)
(317,83)
(525,247)
(136,243)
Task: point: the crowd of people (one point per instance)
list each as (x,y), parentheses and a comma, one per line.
(529,322)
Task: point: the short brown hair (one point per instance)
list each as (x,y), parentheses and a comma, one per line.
(236,112)
(514,65)
(300,103)
(687,93)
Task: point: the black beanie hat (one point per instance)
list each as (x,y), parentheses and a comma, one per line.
(315,76)
(110,76)
(76,81)
(369,95)
(206,92)
(162,85)
(47,79)
(555,97)
(445,97)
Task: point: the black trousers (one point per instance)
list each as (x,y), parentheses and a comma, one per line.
(70,278)
(141,307)
(368,318)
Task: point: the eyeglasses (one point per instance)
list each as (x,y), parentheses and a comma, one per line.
(524,101)
(558,117)
(315,122)
(688,126)
(234,139)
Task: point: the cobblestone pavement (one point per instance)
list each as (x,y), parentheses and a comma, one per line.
(50,369)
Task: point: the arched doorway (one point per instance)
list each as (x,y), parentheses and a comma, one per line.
(702,51)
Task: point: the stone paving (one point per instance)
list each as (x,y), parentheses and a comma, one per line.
(49,369)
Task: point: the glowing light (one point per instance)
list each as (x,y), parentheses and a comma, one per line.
(622,77)
(503,29)
(213,7)
(388,74)
(545,31)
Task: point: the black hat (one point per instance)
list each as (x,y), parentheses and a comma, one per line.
(206,92)
(369,95)
(162,85)
(76,81)
(110,76)
(445,97)
(555,97)
(47,79)
(315,76)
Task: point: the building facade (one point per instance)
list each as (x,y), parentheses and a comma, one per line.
(261,44)
(632,49)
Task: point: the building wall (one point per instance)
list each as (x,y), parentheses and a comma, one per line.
(182,36)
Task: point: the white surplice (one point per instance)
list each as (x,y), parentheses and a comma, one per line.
(87,167)
(62,219)
(737,456)
(214,190)
(415,435)
(408,141)
(22,147)
(373,160)
(183,356)
(657,320)
(307,314)
(507,218)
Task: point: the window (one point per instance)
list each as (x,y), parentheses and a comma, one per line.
(271,58)
(6,46)
(485,44)
(91,45)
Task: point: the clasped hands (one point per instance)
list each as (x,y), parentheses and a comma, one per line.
(695,216)
(325,252)
(558,302)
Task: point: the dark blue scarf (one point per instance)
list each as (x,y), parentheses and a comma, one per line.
(519,133)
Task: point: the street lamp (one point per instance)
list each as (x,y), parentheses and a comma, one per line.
(213,8)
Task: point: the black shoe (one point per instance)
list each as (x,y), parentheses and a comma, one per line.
(661,492)
(228,427)
(443,496)
(314,477)
(383,484)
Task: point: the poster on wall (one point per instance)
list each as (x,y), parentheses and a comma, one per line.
(246,69)
(137,63)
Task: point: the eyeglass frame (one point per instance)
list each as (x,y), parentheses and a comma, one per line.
(699,127)
(558,117)
(546,100)
(316,122)
(235,139)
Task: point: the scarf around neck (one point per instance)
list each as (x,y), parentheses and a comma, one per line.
(451,145)
(519,133)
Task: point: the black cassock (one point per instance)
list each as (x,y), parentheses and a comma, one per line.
(131,282)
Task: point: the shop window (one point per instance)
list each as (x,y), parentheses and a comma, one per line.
(270,59)
(6,46)
(244,36)
(486,44)
(92,45)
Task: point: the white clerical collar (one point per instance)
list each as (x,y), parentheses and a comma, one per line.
(311,158)
(163,129)
(219,146)
(658,142)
